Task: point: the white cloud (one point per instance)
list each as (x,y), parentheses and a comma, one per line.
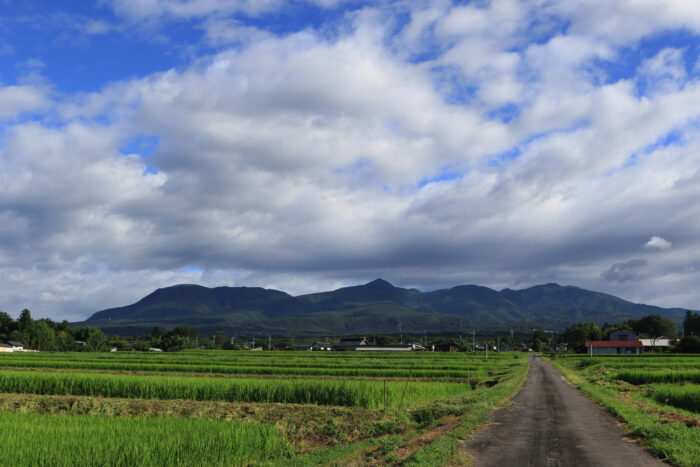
(303,163)
(22,98)
(657,243)
(665,72)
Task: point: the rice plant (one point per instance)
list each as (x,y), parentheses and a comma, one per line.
(31,439)
(684,397)
(650,377)
(367,394)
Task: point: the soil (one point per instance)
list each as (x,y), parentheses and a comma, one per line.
(551,423)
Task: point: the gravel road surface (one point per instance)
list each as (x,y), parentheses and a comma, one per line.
(551,423)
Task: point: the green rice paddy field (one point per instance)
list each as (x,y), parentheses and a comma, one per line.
(247,408)
(657,395)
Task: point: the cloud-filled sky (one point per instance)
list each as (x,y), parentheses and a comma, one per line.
(310,144)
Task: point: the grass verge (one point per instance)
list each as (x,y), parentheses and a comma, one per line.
(659,428)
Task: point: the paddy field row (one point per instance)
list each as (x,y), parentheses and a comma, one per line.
(331,406)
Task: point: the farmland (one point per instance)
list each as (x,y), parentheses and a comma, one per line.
(241,408)
(656,395)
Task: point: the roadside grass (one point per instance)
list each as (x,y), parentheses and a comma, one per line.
(669,432)
(475,410)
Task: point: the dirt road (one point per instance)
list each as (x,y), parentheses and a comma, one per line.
(552,424)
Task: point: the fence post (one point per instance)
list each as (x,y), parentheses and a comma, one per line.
(406,386)
(385,396)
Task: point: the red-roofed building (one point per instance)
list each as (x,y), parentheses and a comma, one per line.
(614,347)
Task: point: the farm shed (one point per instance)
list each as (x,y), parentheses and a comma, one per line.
(614,347)
(12,346)
(660,343)
(321,346)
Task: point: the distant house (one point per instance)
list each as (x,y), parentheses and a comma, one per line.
(622,335)
(322,346)
(448,347)
(614,347)
(351,343)
(303,347)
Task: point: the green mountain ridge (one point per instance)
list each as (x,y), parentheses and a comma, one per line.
(377,307)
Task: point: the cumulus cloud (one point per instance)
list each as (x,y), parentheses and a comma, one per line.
(15,100)
(657,243)
(476,144)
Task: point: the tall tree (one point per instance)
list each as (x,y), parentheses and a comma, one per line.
(41,336)
(540,341)
(691,324)
(7,324)
(653,326)
(96,340)
(25,320)
(576,336)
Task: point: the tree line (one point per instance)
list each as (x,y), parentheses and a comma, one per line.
(45,334)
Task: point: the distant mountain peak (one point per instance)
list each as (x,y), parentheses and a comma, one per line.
(376,283)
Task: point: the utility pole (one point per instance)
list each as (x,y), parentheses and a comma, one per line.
(213,341)
(401,331)
(498,346)
(473,339)
(253,342)
(269,342)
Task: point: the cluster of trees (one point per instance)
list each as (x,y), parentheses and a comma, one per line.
(44,334)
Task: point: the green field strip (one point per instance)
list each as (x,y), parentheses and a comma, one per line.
(30,439)
(368,394)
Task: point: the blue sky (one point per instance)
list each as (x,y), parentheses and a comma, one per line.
(308,145)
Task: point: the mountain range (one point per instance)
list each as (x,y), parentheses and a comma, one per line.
(377,307)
